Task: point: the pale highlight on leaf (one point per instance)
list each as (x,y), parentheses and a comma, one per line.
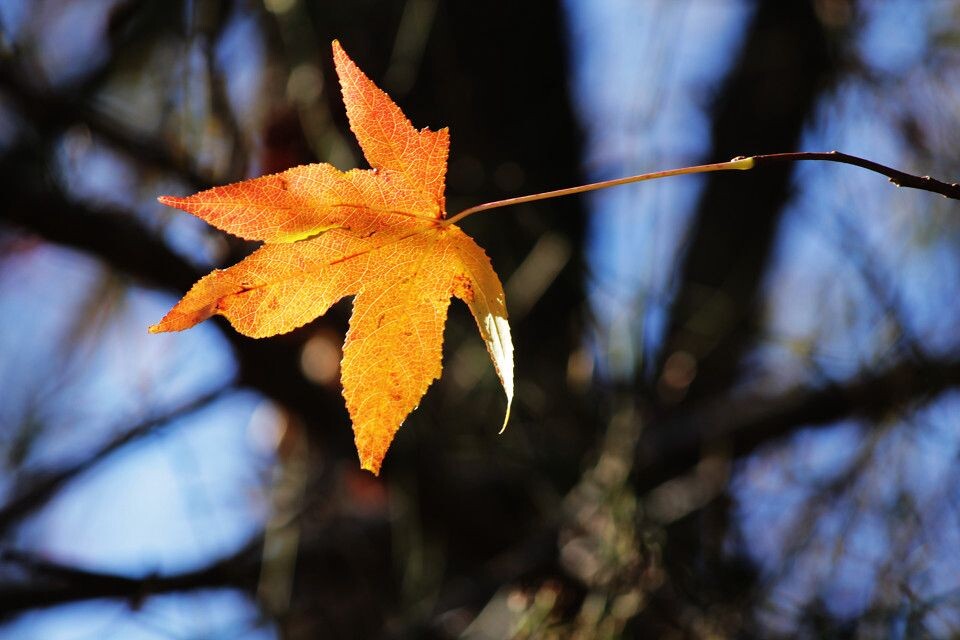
(479,286)
(375,235)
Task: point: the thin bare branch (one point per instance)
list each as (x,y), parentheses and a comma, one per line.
(43,487)
(897,177)
(746,423)
(58,584)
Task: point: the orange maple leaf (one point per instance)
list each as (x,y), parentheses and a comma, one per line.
(379,235)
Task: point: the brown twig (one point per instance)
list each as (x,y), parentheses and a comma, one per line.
(897,177)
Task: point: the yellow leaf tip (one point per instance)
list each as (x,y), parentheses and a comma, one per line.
(506,417)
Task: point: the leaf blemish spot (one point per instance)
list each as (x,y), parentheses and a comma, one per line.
(463,288)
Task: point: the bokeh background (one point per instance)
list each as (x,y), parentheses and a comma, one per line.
(737,405)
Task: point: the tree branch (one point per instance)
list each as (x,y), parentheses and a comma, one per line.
(56,112)
(897,177)
(59,584)
(741,425)
(340,559)
(113,235)
(44,486)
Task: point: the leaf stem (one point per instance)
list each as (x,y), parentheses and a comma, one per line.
(897,177)
(735,164)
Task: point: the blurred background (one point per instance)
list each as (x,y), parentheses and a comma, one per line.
(737,405)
